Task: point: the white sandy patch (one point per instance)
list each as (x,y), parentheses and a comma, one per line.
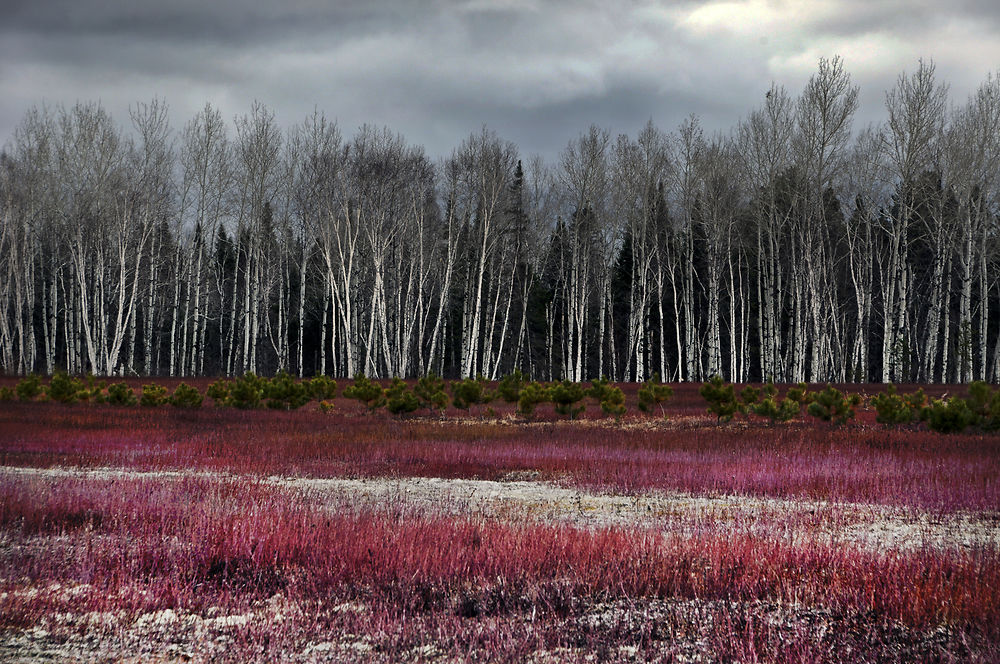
(877,527)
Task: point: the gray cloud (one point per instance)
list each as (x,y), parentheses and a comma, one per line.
(537,71)
(180,21)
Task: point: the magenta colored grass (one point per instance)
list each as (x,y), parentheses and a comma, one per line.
(858,463)
(145,544)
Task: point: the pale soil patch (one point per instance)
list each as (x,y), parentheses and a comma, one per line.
(875,527)
(645,630)
(652,423)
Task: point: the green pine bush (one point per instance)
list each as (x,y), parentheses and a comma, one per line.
(431,392)
(567,395)
(65,388)
(599,389)
(801,394)
(893,408)
(365,391)
(509,388)
(721,398)
(951,415)
(91,389)
(285,393)
(400,399)
(468,393)
(613,402)
(153,395)
(830,405)
(323,388)
(531,395)
(749,398)
(246,391)
(776,410)
(654,394)
(218,392)
(29,388)
(120,394)
(984,402)
(186,396)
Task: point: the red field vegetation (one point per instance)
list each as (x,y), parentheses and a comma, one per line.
(185,540)
(862,462)
(136,546)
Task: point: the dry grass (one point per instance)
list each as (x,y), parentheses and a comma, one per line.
(160,535)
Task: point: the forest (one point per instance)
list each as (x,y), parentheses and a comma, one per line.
(797,246)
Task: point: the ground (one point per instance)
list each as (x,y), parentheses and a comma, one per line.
(217,535)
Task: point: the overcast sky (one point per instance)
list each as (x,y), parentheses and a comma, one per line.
(538,72)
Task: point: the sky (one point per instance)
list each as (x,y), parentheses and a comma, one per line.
(538,72)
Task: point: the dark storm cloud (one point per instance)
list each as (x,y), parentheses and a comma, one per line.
(178,21)
(537,71)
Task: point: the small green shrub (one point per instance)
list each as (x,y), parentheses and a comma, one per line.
(153,395)
(984,402)
(599,389)
(323,388)
(895,409)
(467,393)
(400,399)
(721,398)
(509,388)
(567,395)
(285,393)
(749,397)
(951,415)
(120,394)
(246,391)
(801,394)
(613,402)
(218,392)
(776,410)
(365,391)
(91,389)
(7,394)
(654,394)
(431,392)
(531,395)
(186,396)
(29,388)
(64,388)
(830,405)
(916,401)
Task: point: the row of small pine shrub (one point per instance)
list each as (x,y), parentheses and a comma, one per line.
(282,392)
(431,393)
(828,404)
(63,388)
(248,391)
(979,409)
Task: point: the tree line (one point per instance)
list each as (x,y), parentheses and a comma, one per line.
(794,247)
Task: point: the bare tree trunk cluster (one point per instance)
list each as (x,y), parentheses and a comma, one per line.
(792,248)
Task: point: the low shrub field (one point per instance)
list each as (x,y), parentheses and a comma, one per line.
(438,521)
